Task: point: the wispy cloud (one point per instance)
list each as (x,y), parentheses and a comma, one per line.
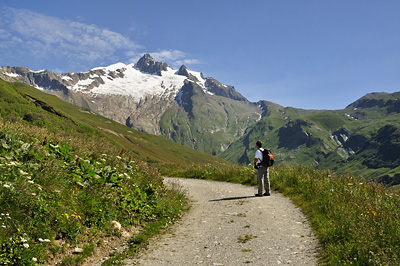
(175,58)
(49,37)
(76,45)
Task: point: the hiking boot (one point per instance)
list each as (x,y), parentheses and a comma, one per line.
(258,195)
(267,194)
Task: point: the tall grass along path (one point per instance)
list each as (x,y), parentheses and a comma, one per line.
(227,225)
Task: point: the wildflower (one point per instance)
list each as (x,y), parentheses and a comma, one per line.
(23,240)
(31,182)
(118,157)
(26,245)
(40,240)
(34,259)
(6,186)
(22,172)
(3,226)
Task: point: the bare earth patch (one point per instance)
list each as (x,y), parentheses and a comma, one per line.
(227,225)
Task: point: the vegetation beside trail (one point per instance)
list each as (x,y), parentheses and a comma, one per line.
(52,198)
(356,221)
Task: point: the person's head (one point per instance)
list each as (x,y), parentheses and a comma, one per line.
(259,144)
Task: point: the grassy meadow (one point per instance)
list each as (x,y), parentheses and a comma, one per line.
(357,222)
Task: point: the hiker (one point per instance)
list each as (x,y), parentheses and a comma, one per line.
(262,172)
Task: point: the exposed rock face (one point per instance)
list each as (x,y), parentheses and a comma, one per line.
(223,90)
(146,64)
(148,112)
(340,136)
(183,71)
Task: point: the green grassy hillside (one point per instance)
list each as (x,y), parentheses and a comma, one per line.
(29,105)
(352,140)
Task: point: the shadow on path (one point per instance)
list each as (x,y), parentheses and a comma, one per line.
(232,198)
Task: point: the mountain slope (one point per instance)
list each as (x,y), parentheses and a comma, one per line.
(152,97)
(361,139)
(19,102)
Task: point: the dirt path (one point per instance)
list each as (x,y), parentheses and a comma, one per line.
(227,225)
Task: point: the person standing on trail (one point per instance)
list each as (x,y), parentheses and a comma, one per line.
(262,172)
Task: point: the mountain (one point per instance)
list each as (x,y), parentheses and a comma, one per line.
(180,105)
(363,139)
(24,106)
(204,114)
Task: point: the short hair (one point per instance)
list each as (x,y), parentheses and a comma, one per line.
(259,143)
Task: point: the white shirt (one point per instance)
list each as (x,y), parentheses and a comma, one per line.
(259,155)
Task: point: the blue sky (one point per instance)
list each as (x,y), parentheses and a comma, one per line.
(312,54)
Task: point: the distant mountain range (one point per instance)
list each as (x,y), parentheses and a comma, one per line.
(202,113)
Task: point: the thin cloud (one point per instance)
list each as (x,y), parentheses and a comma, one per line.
(175,58)
(45,36)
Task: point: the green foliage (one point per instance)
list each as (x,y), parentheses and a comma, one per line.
(48,192)
(357,222)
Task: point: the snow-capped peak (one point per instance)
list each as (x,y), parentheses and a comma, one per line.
(122,79)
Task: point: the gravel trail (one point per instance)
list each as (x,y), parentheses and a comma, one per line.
(227,225)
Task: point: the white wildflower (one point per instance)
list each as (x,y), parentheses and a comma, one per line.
(23,240)
(31,182)
(40,240)
(22,172)
(34,259)
(6,186)
(46,240)
(26,245)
